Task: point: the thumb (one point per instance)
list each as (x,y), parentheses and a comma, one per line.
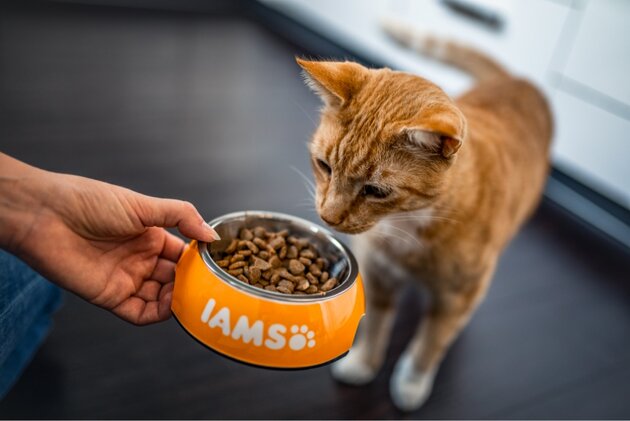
(168,213)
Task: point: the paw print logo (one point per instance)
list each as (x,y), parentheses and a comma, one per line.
(301,337)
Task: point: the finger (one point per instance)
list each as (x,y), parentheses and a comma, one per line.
(176,213)
(164,271)
(138,311)
(164,305)
(173,247)
(149,290)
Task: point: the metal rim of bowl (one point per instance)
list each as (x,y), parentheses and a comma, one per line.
(344,284)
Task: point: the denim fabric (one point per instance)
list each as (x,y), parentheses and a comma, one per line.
(27,302)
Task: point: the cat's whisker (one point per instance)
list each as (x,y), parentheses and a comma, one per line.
(307,205)
(310,192)
(384,233)
(439,212)
(408,235)
(305,113)
(423,219)
(308,201)
(309,184)
(390,237)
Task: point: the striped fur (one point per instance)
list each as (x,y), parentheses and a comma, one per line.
(435,188)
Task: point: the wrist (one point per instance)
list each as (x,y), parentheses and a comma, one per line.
(23,192)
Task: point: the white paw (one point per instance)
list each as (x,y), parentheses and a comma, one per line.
(409,388)
(352,369)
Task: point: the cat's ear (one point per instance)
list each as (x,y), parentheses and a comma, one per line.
(335,82)
(442,129)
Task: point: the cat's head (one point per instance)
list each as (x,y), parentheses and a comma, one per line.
(385,143)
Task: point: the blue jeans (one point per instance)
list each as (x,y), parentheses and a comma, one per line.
(27,302)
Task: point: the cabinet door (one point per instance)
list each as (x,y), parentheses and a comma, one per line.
(600,54)
(592,146)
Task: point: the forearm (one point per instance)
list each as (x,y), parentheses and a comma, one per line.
(23,191)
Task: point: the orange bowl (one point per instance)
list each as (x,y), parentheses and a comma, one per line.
(266,328)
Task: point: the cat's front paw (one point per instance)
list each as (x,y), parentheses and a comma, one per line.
(409,388)
(353,370)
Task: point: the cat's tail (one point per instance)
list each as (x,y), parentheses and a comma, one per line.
(470,60)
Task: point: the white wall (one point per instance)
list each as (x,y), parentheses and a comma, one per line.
(577,51)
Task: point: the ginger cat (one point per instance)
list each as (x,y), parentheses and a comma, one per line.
(433,188)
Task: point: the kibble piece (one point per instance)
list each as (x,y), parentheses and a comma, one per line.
(308,253)
(328,285)
(259,232)
(232,247)
(312,279)
(302,284)
(259,286)
(246,234)
(314,269)
(235,272)
(302,243)
(270,288)
(284,274)
(260,264)
(255,274)
(275,262)
(306,262)
(312,289)
(245,253)
(277,242)
(286,284)
(284,290)
(296,267)
(237,265)
(324,277)
(237,258)
(292,253)
(223,263)
(264,255)
(283,233)
(266,275)
(321,263)
(242,278)
(291,240)
(253,247)
(275,278)
(260,242)
(283,252)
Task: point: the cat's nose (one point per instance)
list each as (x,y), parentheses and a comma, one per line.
(329,221)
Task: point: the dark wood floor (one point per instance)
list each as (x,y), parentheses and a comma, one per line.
(213,110)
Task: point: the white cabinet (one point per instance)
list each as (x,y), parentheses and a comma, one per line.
(600,51)
(588,134)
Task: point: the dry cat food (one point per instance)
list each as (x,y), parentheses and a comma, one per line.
(277,261)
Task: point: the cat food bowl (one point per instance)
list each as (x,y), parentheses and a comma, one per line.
(266,328)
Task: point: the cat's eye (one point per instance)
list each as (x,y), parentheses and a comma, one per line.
(370,190)
(324,166)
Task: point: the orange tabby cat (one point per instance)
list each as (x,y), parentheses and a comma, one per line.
(435,188)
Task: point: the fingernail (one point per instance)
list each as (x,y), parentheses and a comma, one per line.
(211,231)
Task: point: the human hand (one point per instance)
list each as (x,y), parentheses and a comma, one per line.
(103,242)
